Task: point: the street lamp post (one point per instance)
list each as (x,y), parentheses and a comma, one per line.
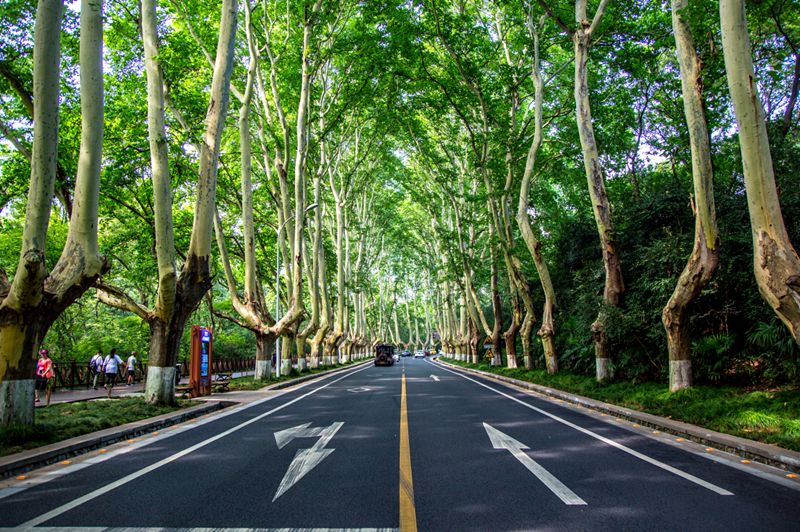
(278,289)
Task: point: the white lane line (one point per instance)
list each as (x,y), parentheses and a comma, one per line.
(154,529)
(637,454)
(133,476)
(146,439)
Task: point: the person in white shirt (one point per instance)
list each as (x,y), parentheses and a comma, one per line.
(96,367)
(131,367)
(111,367)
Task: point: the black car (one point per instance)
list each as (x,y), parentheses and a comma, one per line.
(384,355)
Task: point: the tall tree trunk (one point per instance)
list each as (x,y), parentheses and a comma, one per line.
(776,264)
(265,348)
(511,333)
(296,309)
(178,298)
(705,254)
(614,285)
(547,329)
(526,335)
(252,309)
(497,310)
(34,299)
(474,342)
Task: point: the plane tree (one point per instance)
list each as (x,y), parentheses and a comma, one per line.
(36,295)
(179,291)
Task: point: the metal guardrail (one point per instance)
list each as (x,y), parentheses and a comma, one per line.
(78,375)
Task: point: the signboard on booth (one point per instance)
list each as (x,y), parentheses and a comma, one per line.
(200,361)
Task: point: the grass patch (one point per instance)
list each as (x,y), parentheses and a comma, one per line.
(769,416)
(59,422)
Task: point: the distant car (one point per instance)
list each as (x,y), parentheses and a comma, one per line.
(405,353)
(384,355)
(419,354)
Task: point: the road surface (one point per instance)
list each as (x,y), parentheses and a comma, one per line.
(416,446)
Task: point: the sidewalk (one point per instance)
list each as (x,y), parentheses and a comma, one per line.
(120,390)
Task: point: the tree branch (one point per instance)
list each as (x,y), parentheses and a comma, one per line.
(555,17)
(598,15)
(117,298)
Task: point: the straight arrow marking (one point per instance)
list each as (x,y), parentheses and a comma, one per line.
(501,440)
(434,377)
(637,454)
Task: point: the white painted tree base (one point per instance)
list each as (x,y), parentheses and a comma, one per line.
(302,364)
(160,385)
(263,370)
(16,401)
(604,370)
(680,374)
(286,366)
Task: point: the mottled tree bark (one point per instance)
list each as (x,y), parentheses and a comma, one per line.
(614,285)
(178,296)
(705,254)
(34,299)
(776,264)
(547,329)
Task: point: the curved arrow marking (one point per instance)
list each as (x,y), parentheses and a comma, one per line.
(306,459)
(501,440)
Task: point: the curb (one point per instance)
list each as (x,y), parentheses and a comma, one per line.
(762,452)
(48,454)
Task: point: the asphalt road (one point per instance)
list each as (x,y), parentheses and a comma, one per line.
(409,447)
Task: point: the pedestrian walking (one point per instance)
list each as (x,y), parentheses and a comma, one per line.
(111,366)
(44,376)
(131,367)
(39,373)
(96,367)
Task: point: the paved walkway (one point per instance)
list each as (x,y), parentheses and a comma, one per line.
(120,390)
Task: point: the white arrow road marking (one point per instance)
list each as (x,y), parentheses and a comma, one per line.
(434,377)
(141,472)
(360,389)
(283,437)
(306,459)
(637,454)
(501,440)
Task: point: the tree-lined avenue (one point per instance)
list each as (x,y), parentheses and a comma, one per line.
(471,443)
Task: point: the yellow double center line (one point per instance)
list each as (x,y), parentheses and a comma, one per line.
(408,513)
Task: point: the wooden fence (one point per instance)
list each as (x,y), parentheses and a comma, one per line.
(78,375)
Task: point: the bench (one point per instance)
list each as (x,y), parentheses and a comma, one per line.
(221,383)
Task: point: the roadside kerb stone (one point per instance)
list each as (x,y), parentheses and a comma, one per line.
(762,452)
(26,460)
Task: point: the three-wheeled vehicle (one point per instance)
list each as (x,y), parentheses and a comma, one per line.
(384,355)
